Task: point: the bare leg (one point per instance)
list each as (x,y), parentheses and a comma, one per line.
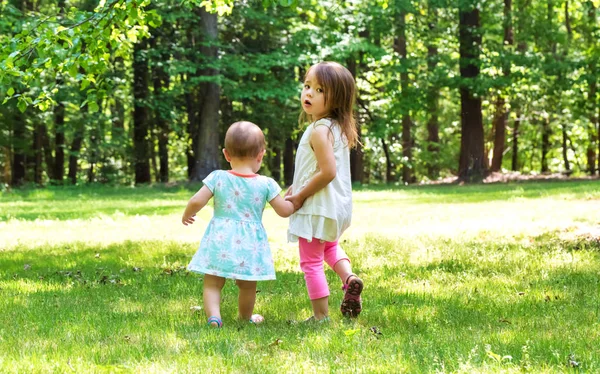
(344,270)
(320,307)
(246,300)
(212,296)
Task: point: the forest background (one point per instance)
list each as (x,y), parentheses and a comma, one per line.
(139,91)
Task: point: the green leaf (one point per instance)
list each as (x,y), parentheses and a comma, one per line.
(93,107)
(22,104)
(10,92)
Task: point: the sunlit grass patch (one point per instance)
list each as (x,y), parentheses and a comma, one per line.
(457,279)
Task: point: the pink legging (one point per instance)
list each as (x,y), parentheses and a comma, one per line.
(311,262)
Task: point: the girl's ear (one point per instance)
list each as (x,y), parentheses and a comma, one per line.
(261,155)
(226,154)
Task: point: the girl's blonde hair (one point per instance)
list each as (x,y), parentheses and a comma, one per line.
(244,139)
(340,94)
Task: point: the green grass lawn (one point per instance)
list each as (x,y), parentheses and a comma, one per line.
(488,278)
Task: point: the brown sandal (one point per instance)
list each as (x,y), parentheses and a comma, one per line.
(352,305)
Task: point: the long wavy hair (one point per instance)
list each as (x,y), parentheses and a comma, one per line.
(340,95)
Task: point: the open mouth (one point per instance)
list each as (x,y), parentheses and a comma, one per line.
(307,103)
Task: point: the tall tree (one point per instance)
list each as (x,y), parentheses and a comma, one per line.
(207,150)
(501,115)
(407,141)
(141,119)
(472,167)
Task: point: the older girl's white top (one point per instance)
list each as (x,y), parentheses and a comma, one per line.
(326,214)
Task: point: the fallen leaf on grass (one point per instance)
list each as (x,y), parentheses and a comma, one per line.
(26,267)
(375,330)
(504,320)
(97,255)
(276,342)
(196,308)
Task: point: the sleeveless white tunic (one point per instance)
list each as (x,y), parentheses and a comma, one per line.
(326,214)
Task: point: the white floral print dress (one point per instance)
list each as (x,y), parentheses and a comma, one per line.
(235,243)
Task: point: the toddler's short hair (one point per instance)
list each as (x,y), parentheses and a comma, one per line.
(244,139)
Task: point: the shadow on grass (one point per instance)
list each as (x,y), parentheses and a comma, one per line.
(63,203)
(136,292)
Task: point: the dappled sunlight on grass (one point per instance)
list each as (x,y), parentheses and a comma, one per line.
(453,276)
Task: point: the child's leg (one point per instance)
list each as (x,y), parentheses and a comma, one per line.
(246,300)
(337,259)
(311,263)
(353,285)
(212,296)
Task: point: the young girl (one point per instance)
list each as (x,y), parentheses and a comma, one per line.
(322,191)
(235,242)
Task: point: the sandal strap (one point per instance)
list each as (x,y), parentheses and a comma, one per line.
(217,320)
(348,277)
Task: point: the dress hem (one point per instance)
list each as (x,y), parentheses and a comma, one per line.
(221,274)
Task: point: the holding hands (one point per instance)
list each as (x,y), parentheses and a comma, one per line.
(297,200)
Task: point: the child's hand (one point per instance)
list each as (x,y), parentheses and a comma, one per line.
(297,200)
(188,220)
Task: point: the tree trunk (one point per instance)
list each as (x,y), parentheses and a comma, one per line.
(356,154)
(47,149)
(37,155)
(140,114)
(564,149)
(207,153)
(18,151)
(74,152)
(433,94)
(59,143)
(515,143)
(288,161)
(276,164)
(545,144)
(472,167)
(400,48)
(592,103)
(388,162)
(161,82)
(501,114)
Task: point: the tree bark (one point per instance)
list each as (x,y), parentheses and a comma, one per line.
(288,161)
(401,48)
(515,142)
(161,82)
(356,154)
(592,103)
(501,114)
(388,162)
(59,143)
(207,151)
(74,152)
(141,152)
(276,164)
(18,174)
(564,149)
(433,94)
(472,167)
(545,144)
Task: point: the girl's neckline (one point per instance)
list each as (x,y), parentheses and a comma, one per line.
(241,175)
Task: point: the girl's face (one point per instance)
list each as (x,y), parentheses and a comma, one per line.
(313,97)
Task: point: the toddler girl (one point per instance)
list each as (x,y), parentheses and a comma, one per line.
(235,242)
